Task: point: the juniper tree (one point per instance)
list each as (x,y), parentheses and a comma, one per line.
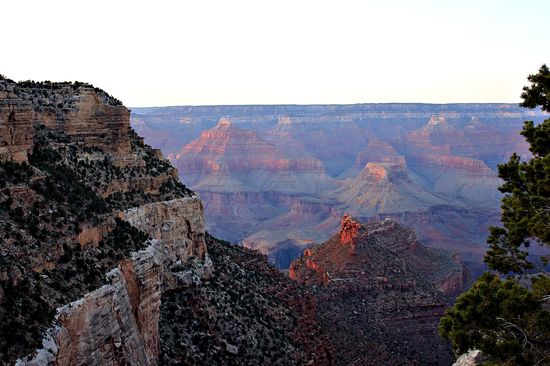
(503,318)
(526,188)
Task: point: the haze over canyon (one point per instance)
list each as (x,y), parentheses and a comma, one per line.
(279,178)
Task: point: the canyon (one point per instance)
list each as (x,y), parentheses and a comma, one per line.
(106,257)
(279,178)
(95,226)
(99,239)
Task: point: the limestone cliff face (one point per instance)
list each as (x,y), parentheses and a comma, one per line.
(113,325)
(119,322)
(179,227)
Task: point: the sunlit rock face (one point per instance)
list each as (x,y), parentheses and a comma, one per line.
(278,178)
(380,293)
(229,159)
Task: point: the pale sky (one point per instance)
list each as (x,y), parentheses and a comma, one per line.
(158,53)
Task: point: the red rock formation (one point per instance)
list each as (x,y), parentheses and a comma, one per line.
(349,230)
(422,156)
(226,141)
(378,299)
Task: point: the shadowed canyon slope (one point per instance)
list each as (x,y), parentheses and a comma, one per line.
(279,178)
(380,293)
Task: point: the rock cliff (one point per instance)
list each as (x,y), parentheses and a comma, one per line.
(119,322)
(86,114)
(95,227)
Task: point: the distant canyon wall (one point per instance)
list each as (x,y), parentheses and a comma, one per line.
(399,160)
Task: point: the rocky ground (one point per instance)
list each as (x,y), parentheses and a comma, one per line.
(247,313)
(375,286)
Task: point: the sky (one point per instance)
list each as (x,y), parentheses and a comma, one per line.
(206,52)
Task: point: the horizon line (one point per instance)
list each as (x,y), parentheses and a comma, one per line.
(326,104)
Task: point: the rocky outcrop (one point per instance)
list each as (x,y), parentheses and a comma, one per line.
(150,184)
(118,323)
(377,293)
(473,357)
(95,227)
(84,113)
(178,224)
(115,324)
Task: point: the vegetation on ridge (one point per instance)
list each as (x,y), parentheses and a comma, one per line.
(247,313)
(45,205)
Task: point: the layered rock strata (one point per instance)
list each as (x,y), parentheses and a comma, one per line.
(95,227)
(84,113)
(119,322)
(251,164)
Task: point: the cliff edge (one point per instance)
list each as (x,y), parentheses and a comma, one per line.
(96,226)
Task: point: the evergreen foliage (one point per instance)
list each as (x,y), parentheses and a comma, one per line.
(503,319)
(526,188)
(507,319)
